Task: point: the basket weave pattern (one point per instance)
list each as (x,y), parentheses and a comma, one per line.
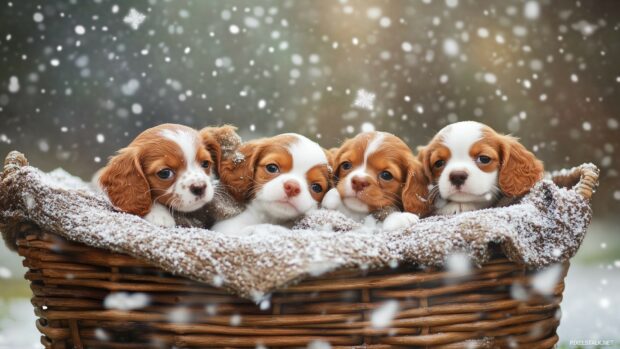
(495,306)
(436,309)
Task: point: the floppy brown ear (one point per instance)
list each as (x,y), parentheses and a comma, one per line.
(220,142)
(415,193)
(237,171)
(519,169)
(424,157)
(125,184)
(331,161)
(331,156)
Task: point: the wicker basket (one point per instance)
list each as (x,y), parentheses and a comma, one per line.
(435,308)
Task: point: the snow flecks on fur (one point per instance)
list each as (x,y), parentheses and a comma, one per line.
(544,228)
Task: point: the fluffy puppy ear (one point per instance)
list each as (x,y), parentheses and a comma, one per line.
(331,161)
(424,158)
(415,192)
(237,170)
(125,183)
(519,169)
(331,156)
(221,142)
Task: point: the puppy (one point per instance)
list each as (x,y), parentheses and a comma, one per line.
(471,167)
(377,172)
(166,168)
(278,179)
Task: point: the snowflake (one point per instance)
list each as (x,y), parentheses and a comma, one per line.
(364,99)
(134,18)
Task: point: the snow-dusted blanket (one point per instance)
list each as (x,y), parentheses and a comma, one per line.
(544,227)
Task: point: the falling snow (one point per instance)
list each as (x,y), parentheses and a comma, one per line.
(364,99)
(13,84)
(233,29)
(450,47)
(5,273)
(531,10)
(382,317)
(319,344)
(134,18)
(80,30)
(459,264)
(367,127)
(37,17)
(546,280)
(490,78)
(126,301)
(78,85)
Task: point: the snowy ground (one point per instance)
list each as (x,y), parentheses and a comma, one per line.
(591,306)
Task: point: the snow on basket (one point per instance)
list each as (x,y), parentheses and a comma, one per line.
(104,279)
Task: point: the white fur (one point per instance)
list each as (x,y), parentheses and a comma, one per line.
(350,201)
(394,221)
(193,174)
(333,201)
(478,190)
(271,204)
(160,215)
(399,220)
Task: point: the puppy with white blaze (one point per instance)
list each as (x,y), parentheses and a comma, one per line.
(165,169)
(376,173)
(471,167)
(278,179)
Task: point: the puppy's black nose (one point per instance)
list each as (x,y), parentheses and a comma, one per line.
(197,190)
(458,178)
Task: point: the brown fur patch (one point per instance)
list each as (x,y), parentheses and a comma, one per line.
(392,155)
(243,178)
(130,178)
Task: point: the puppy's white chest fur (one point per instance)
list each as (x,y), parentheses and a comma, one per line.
(443,207)
(253,214)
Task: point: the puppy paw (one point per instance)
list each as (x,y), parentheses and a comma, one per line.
(399,220)
(332,200)
(226,227)
(160,216)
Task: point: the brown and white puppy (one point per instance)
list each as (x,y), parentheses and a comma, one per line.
(471,167)
(377,171)
(166,168)
(278,179)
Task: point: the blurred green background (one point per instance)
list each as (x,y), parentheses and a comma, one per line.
(80,79)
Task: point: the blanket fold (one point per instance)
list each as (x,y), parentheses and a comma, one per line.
(545,227)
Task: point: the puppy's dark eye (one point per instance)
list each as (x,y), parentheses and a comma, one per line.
(272,168)
(317,188)
(439,163)
(205,164)
(386,176)
(483,159)
(346,165)
(166,173)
